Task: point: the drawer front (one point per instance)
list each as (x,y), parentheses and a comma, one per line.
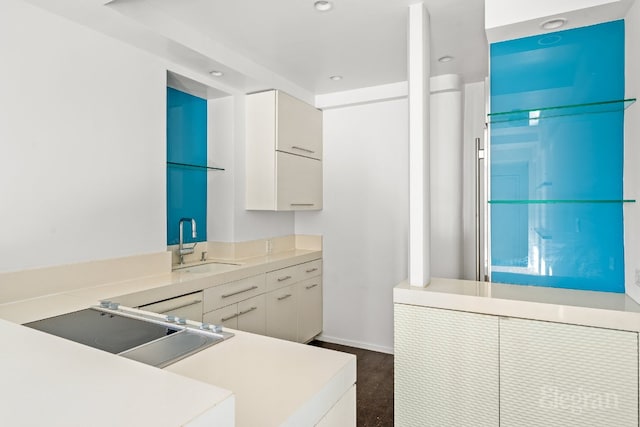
(284,277)
(310,269)
(189,306)
(225,316)
(232,292)
(252,315)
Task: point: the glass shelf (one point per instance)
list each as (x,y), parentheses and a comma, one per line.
(198,167)
(535,114)
(542,202)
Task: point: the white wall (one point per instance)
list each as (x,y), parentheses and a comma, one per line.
(227,219)
(82,143)
(364,222)
(445,123)
(632,152)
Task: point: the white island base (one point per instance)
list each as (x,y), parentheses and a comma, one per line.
(486,354)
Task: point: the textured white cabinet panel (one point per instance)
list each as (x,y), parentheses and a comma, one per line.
(446,368)
(554,374)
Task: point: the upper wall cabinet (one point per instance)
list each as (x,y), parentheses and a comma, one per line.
(284,153)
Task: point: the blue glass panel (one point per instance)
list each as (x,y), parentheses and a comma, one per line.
(560,158)
(567,245)
(186,144)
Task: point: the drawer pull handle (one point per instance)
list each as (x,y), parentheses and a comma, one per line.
(282,279)
(247,311)
(311,270)
(198,301)
(239,292)
(284,297)
(234,315)
(311,286)
(302,204)
(306,150)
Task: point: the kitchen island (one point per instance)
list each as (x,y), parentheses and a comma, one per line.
(480,353)
(248,380)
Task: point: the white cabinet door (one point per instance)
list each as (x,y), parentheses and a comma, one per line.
(446,368)
(282,313)
(225,316)
(309,308)
(554,374)
(252,315)
(299,128)
(298,182)
(283,153)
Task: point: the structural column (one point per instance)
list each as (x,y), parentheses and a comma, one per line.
(419,206)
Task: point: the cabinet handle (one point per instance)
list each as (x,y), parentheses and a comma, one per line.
(247,311)
(311,270)
(306,150)
(198,301)
(239,292)
(224,319)
(311,286)
(282,279)
(284,297)
(303,204)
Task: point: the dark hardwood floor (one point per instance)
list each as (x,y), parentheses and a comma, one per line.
(374,389)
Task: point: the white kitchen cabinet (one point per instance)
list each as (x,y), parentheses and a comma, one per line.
(282,313)
(188,306)
(555,374)
(283,153)
(309,308)
(446,368)
(248,315)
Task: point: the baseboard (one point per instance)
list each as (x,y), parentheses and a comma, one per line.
(357,344)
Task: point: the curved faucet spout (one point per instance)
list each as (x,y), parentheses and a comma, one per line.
(182,250)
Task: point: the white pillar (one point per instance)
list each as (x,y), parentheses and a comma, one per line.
(419,215)
(445,149)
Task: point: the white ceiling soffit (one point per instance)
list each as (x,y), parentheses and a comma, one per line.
(364,41)
(287,44)
(504,17)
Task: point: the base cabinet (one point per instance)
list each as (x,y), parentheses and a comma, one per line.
(567,375)
(445,367)
(248,315)
(457,368)
(282,321)
(188,306)
(309,308)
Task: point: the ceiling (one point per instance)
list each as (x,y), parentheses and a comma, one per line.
(364,41)
(288,44)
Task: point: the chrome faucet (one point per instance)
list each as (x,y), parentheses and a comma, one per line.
(182,250)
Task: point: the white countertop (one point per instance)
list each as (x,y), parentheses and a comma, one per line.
(589,308)
(50,381)
(47,380)
(275,382)
(148,289)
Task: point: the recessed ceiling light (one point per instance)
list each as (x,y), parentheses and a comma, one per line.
(323,5)
(336,78)
(445,58)
(216,73)
(552,24)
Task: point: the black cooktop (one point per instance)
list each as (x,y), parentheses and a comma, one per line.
(103,330)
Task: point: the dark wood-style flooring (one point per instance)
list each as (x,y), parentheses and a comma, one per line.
(374,389)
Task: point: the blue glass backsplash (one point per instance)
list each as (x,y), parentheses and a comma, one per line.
(187,144)
(556,182)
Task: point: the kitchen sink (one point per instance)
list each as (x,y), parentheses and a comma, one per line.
(146,337)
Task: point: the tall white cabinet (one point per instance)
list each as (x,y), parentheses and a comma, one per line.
(283,153)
